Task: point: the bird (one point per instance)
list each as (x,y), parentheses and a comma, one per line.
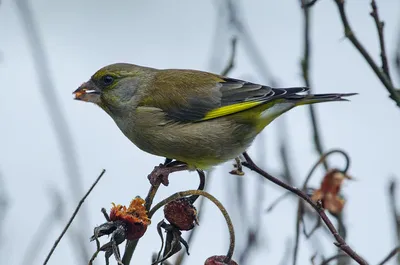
(196,117)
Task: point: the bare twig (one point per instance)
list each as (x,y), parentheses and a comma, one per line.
(379,26)
(73,216)
(340,242)
(178,195)
(390,255)
(349,33)
(57,116)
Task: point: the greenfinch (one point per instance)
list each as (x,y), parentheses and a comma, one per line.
(199,118)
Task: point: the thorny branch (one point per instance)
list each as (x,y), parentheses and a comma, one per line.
(349,33)
(340,242)
(73,216)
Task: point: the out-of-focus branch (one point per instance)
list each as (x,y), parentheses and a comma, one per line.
(248,42)
(73,217)
(231,62)
(390,255)
(285,257)
(45,228)
(58,120)
(394,211)
(340,242)
(336,257)
(397,56)
(349,33)
(3,205)
(285,152)
(305,66)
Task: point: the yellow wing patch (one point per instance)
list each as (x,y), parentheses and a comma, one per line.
(230,109)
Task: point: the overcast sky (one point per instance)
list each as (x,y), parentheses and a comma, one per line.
(82,36)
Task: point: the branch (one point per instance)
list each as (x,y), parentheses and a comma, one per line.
(393,208)
(300,207)
(157,177)
(57,116)
(4,205)
(45,228)
(336,257)
(317,207)
(231,63)
(390,255)
(394,93)
(73,217)
(379,26)
(305,66)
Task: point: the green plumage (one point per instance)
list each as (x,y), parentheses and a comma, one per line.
(196,117)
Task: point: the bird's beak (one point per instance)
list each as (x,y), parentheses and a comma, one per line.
(88,92)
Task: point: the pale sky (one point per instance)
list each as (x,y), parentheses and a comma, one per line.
(82,36)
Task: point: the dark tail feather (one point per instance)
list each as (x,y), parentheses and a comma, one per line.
(317,98)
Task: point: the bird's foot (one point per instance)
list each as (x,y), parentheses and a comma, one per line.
(160,173)
(238,170)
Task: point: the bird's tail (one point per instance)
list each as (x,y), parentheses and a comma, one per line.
(317,98)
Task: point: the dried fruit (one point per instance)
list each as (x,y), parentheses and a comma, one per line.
(135,217)
(181,213)
(328,193)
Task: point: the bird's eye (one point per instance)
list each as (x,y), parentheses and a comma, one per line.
(107,80)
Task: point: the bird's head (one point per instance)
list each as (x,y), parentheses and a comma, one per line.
(113,86)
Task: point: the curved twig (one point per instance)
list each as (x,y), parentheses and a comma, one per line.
(181,194)
(323,158)
(341,243)
(202,184)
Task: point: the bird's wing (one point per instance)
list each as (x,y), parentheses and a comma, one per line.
(193,96)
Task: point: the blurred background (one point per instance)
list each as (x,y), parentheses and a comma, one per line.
(52,148)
